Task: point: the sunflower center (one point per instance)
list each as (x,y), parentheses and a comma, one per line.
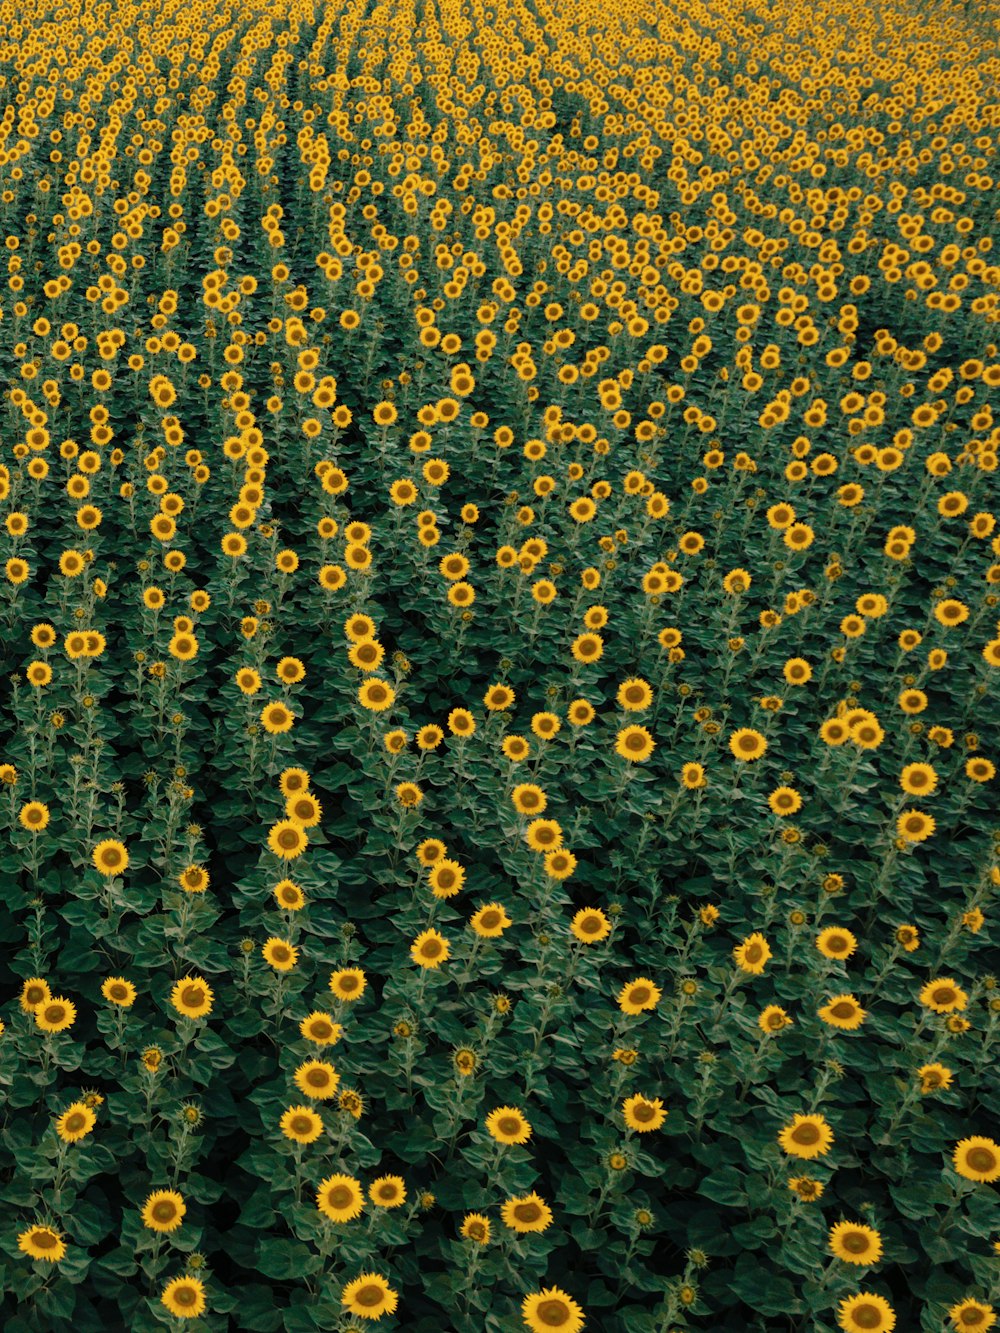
(186,1296)
(45,1240)
(590,925)
(509,1124)
(288,838)
(301,1124)
(836,944)
(867,1316)
(192,996)
(527,1212)
(644,1111)
(348,983)
(640,994)
(806,1134)
(856,1242)
(340,1197)
(431,948)
(317,1078)
(844,1009)
(75,1122)
(971,1318)
(164,1211)
(753,953)
(55,1013)
(981,1159)
(554,1313)
(369,1295)
(944,995)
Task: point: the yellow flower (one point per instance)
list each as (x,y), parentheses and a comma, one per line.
(110,857)
(42,1243)
(369,1297)
(638,996)
(855,1243)
(643,1114)
(843,1011)
(340,1198)
(977,1158)
(508,1125)
(75,1123)
(866,1313)
(807,1136)
(184,1297)
(551,1310)
(281,954)
(301,1124)
(526,1213)
(164,1211)
(192,997)
(753,954)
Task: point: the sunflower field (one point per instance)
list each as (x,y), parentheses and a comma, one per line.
(500,644)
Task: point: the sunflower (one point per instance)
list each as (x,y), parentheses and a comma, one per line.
(843,1011)
(281,954)
(320,1028)
(75,1123)
(248,680)
(543,835)
(34,992)
(693,777)
(635,744)
(369,1297)
(348,984)
(836,942)
(528,799)
(918,779)
(587,648)
(634,695)
(376,695)
(498,698)
(430,949)
(490,922)
(934,1078)
(590,925)
(855,1243)
(164,1211)
(866,1313)
(340,1198)
(943,995)
(276,718)
(773,1019)
(551,1310)
(119,991)
(387,1192)
(446,878)
(915,826)
(784,801)
(303,809)
(643,1113)
(289,895)
(55,1014)
(476,1227)
(807,1136)
(34,816)
(287,839)
(527,1212)
(638,996)
(977,1158)
(301,1124)
(43,1243)
(747,744)
(752,955)
(192,997)
(184,1297)
(971,1315)
(508,1125)
(317,1079)
(110,857)
(560,864)
(806,1188)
